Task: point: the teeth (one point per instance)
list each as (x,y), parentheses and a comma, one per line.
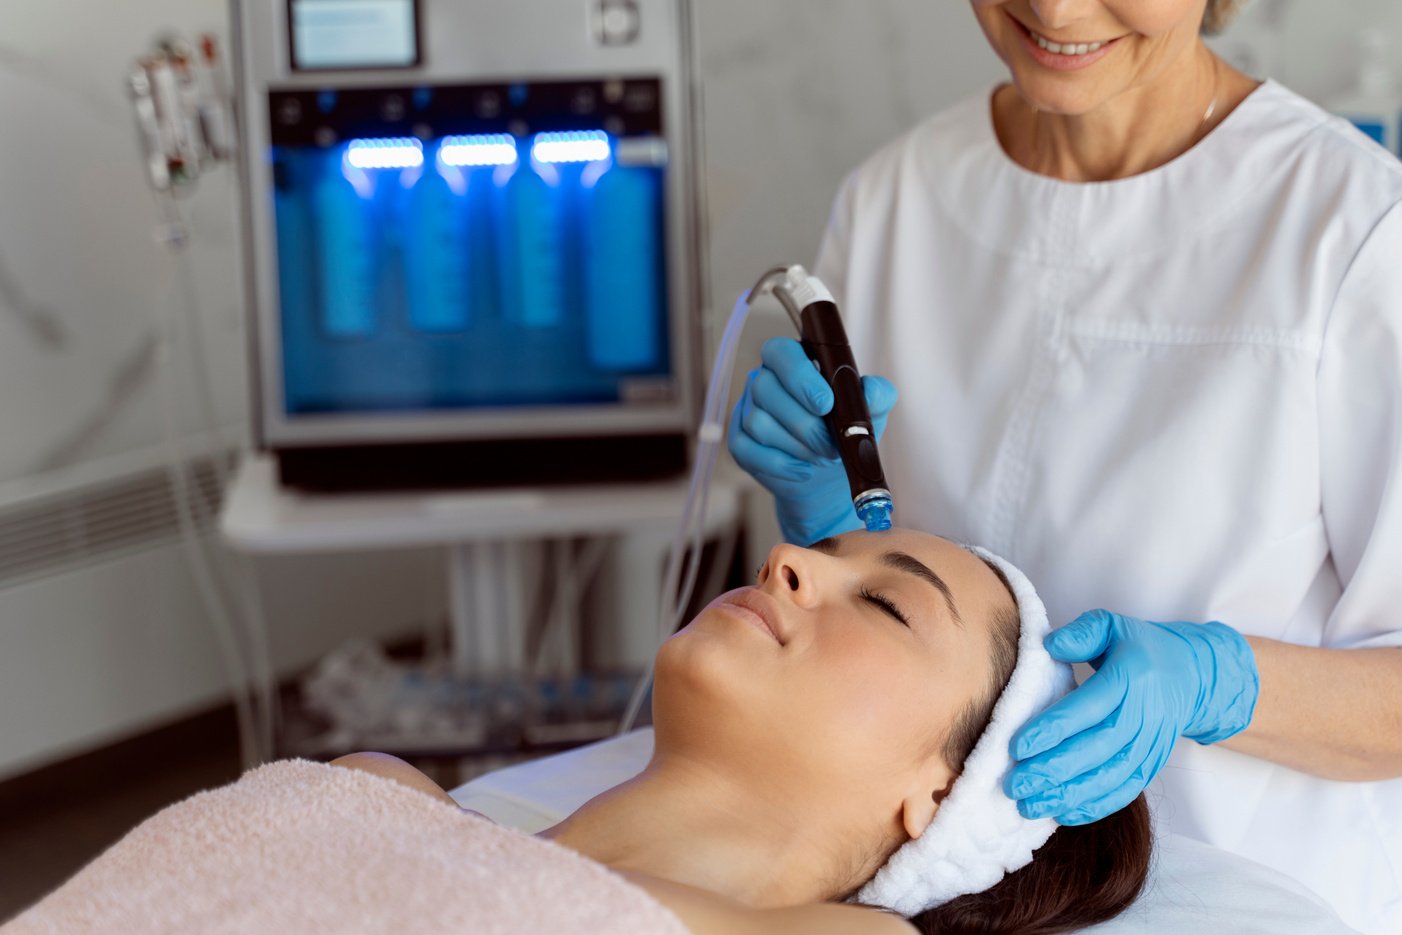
(1057,48)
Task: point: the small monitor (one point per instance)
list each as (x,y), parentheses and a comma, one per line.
(351,34)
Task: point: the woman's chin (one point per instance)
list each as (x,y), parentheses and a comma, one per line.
(709,694)
(698,673)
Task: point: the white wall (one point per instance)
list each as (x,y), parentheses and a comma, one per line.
(76,222)
(797,92)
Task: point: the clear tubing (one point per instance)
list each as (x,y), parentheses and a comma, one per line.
(693,522)
(194,338)
(256,721)
(204,578)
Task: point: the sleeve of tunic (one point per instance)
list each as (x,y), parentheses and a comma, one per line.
(835,251)
(1360,425)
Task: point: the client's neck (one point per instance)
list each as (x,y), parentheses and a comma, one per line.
(688,824)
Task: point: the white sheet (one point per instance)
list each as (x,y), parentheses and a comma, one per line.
(1192,887)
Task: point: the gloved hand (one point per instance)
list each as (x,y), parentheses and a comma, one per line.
(1090,754)
(778,435)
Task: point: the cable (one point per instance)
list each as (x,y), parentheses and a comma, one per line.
(177,464)
(194,334)
(241,599)
(677,586)
(183,112)
(255,706)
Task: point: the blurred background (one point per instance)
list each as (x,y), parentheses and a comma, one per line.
(115,683)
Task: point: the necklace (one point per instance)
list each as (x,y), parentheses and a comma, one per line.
(1216,94)
(1204,125)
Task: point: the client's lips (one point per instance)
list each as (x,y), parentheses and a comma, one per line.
(760,605)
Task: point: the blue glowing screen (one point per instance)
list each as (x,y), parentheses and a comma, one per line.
(468,271)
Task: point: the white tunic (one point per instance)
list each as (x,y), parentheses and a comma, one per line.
(1176,396)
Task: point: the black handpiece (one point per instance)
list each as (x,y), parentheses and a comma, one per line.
(825,342)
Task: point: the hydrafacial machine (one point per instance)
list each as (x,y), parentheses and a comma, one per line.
(472,238)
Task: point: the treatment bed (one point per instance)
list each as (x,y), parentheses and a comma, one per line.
(1192,887)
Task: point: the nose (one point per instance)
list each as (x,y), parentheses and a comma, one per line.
(790,573)
(1058,14)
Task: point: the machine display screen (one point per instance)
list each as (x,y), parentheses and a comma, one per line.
(342,34)
(455,247)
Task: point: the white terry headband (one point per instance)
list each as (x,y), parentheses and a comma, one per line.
(978,835)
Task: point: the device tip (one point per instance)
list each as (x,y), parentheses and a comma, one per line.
(875,514)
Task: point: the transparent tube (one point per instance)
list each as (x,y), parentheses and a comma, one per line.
(254,731)
(677,585)
(176,465)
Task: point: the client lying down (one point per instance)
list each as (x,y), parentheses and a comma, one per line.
(829,750)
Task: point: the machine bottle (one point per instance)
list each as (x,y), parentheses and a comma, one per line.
(438,248)
(533,260)
(347,250)
(624,268)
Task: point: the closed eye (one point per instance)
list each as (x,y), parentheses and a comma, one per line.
(885,605)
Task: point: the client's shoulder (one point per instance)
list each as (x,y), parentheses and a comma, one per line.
(705,913)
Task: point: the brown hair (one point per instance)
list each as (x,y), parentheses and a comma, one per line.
(973,720)
(1084,874)
(1218,14)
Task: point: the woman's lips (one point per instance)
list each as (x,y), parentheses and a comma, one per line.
(1055,60)
(755,607)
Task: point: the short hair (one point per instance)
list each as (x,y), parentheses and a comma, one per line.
(1219,14)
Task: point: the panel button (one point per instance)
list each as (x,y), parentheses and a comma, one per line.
(617,22)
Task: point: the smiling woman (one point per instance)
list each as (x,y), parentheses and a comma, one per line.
(1109,89)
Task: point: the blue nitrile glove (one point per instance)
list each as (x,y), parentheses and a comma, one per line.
(778,435)
(1090,754)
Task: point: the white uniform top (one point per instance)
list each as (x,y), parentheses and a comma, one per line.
(1176,396)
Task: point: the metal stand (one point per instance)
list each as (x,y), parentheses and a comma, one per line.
(488,617)
(505,552)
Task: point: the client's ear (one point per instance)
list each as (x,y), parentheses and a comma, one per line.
(919,808)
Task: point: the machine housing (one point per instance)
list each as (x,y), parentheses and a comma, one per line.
(473,239)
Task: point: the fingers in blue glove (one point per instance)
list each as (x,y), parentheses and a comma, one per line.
(1083,639)
(800,433)
(1096,809)
(762,460)
(1084,708)
(786,359)
(1077,755)
(760,425)
(1106,788)
(881,397)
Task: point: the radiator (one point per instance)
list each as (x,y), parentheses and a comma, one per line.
(103,634)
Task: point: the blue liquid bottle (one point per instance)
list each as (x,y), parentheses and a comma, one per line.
(348,247)
(623,268)
(438,267)
(294,241)
(534,264)
(296,260)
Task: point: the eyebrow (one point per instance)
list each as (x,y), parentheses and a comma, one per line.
(909,564)
(901,561)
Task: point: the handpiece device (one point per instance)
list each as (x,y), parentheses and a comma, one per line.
(824,339)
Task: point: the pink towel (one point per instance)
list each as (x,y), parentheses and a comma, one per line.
(297,846)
